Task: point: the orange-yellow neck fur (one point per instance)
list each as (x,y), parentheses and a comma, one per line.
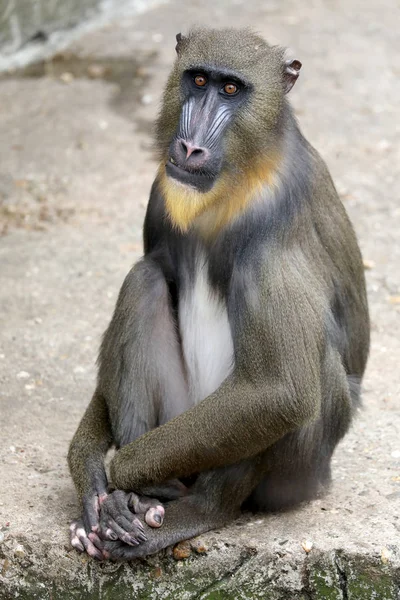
(215,209)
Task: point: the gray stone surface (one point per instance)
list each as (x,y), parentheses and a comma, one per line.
(32,30)
(23,20)
(75,172)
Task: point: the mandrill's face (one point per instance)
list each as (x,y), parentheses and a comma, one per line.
(211,99)
(219,130)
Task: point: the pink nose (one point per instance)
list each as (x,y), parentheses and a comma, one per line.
(191,149)
(192,155)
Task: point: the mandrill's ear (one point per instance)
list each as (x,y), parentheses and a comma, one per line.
(180,42)
(291,72)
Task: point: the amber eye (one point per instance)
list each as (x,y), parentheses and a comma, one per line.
(200,80)
(230,88)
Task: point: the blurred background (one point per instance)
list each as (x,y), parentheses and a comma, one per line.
(80,86)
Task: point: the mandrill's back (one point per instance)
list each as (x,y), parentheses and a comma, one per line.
(337,253)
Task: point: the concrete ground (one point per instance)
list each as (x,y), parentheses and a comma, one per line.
(75,172)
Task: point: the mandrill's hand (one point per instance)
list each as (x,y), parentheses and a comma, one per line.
(85,531)
(119,514)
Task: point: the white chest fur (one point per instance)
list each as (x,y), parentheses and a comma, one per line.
(206,336)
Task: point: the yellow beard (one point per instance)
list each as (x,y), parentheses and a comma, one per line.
(228,198)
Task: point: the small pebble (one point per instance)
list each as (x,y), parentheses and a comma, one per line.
(147,99)
(96,71)
(66,77)
(23,375)
(395,454)
(141,72)
(384,145)
(198,546)
(19,551)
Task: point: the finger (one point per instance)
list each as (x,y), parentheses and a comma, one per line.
(104,530)
(128,524)
(138,524)
(94,538)
(154,517)
(124,536)
(92,550)
(108,534)
(91,513)
(75,543)
(88,545)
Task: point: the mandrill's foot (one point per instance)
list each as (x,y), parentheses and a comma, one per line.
(184,519)
(84,540)
(119,520)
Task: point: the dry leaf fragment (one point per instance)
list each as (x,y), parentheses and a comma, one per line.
(368,264)
(385,555)
(6,565)
(307,545)
(182,550)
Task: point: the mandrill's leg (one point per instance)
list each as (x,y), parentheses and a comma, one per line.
(141,385)
(215,499)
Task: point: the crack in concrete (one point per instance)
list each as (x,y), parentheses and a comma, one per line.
(342,576)
(245,557)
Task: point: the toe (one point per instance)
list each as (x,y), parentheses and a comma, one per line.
(154,517)
(75,543)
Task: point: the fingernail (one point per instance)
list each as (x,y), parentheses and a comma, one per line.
(134,541)
(157,518)
(111,535)
(141,537)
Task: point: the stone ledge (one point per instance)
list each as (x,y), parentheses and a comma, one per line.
(227,572)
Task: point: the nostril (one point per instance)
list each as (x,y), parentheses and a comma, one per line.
(190,149)
(183,146)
